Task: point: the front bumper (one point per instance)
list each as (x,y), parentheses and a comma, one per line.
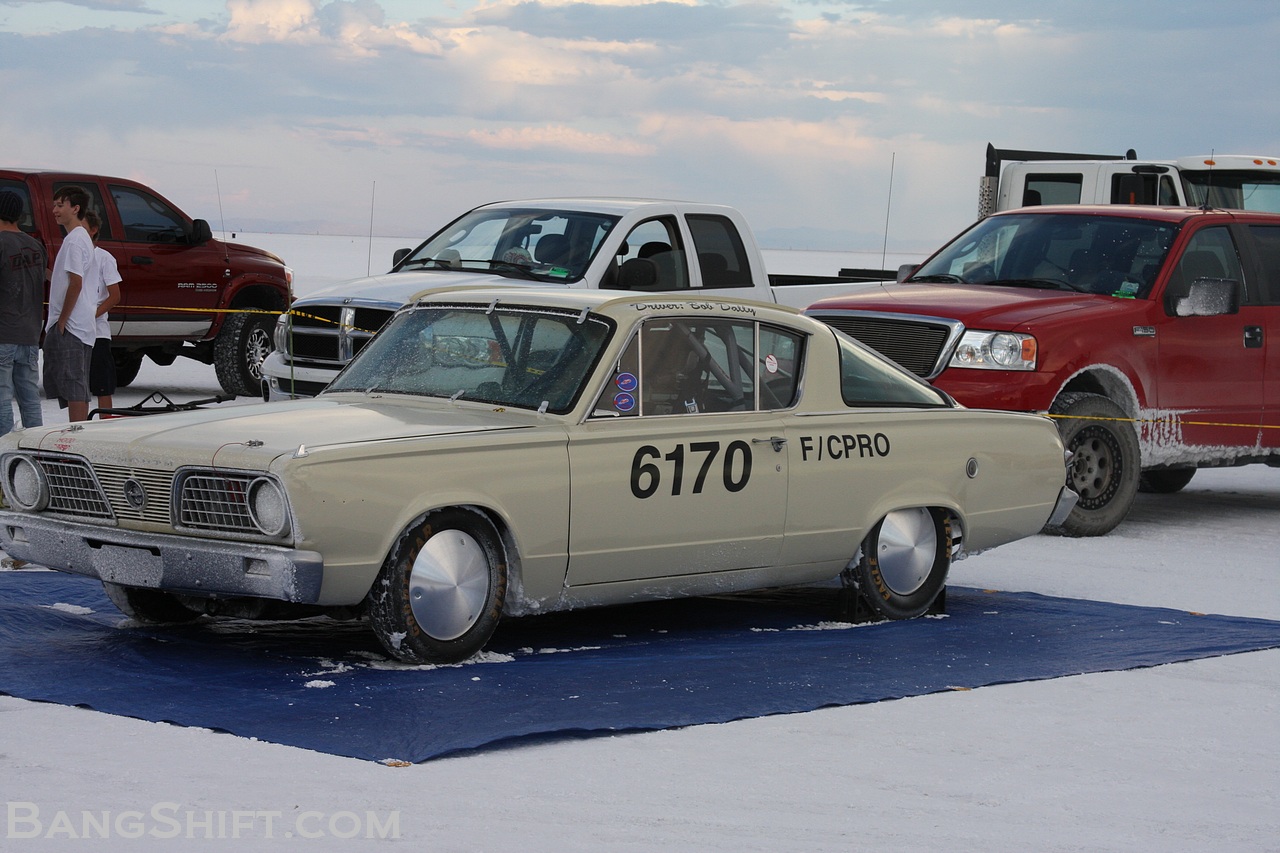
(284,381)
(208,568)
(1067,499)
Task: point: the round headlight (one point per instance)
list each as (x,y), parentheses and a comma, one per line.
(1006,350)
(268,507)
(27,484)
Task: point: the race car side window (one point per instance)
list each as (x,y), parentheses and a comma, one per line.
(778,364)
(687,366)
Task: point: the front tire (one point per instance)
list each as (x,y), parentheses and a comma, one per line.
(904,563)
(1105,462)
(148,605)
(243,343)
(440,593)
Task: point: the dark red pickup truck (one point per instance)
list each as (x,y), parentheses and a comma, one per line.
(1152,334)
(183,292)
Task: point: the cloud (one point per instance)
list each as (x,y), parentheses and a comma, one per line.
(138,6)
(792,110)
(264,21)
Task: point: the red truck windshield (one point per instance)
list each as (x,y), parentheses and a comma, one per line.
(1107,255)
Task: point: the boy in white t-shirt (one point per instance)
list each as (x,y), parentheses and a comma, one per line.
(72,328)
(104,278)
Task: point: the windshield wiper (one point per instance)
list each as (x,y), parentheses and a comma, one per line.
(1054,283)
(513,270)
(937,278)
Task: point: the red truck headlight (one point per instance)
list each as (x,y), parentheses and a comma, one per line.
(995,351)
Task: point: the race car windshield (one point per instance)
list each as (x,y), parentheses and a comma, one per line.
(527,358)
(1106,255)
(541,245)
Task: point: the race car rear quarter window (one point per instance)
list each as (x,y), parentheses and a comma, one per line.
(866,379)
(520,357)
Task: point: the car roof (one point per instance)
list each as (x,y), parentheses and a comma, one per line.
(602,204)
(1140,211)
(608,302)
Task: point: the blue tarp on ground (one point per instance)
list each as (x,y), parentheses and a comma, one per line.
(326,685)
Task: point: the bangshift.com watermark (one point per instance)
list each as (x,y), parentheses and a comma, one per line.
(25,820)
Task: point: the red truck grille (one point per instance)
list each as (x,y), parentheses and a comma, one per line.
(920,344)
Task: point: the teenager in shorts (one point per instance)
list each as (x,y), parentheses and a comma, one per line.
(104,280)
(71,330)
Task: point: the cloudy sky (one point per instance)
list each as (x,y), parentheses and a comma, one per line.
(304,115)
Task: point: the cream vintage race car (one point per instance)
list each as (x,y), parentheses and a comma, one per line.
(502,452)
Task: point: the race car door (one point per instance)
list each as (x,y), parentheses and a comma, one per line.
(678,471)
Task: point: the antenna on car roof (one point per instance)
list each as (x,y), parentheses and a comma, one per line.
(884,247)
(222,220)
(368,267)
(1208,188)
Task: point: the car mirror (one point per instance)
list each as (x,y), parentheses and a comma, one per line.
(200,232)
(400,255)
(906,271)
(1208,297)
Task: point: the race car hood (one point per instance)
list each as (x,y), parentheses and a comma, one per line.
(251,436)
(977,306)
(391,290)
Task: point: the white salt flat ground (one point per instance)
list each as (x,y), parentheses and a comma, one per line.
(1172,758)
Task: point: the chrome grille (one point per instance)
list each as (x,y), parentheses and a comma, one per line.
(216,501)
(73,490)
(333,334)
(921,345)
(158,486)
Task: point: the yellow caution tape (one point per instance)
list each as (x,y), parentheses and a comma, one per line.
(1158,421)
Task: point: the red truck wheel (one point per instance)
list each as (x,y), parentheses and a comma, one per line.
(1105,461)
(239,350)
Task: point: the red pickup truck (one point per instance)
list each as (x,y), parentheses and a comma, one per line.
(184,293)
(1147,331)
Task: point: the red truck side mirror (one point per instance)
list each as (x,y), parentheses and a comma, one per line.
(200,232)
(1204,297)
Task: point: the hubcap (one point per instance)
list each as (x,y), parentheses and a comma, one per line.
(257,349)
(1093,467)
(449,584)
(906,549)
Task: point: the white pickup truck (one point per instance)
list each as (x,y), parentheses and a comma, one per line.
(613,244)
(1029,178)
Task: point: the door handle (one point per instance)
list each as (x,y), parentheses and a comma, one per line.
(140,259)
(776,440)
(1253,337)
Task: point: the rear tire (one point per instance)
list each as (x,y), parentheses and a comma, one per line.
(1105,462)
(440,593)
(904,564)
(127,366)
(148,605)
(239,350)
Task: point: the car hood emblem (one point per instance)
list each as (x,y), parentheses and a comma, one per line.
(135,495)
